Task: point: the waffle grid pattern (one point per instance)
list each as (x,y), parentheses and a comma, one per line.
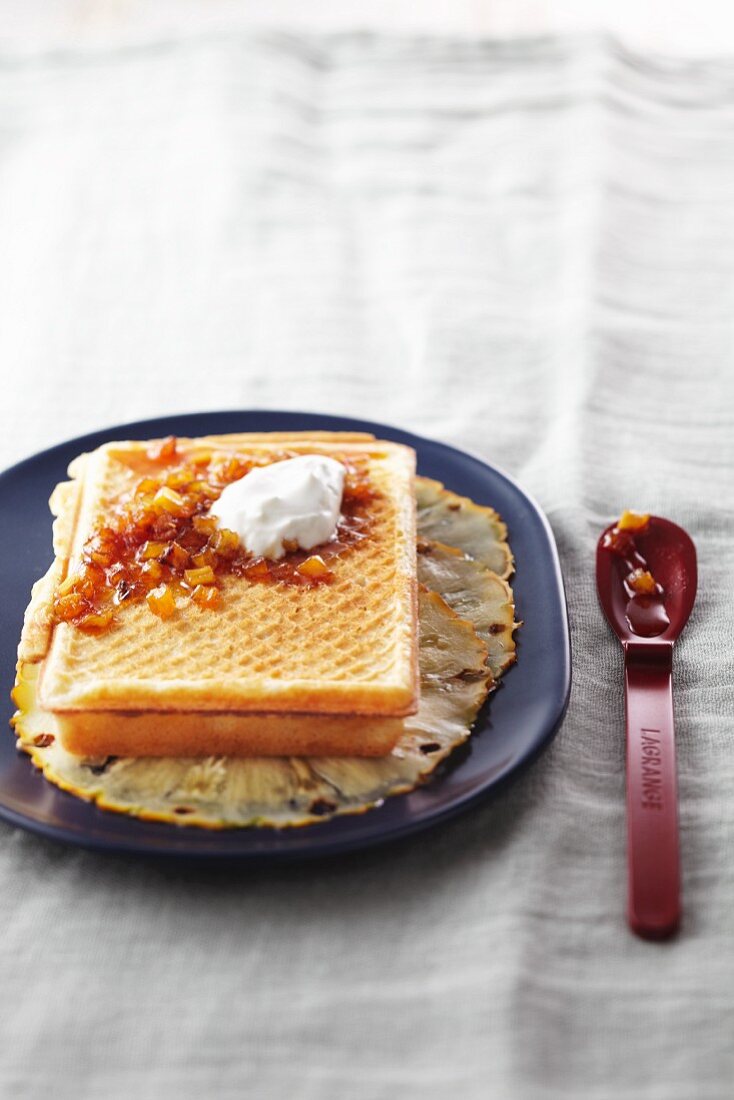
(270,631)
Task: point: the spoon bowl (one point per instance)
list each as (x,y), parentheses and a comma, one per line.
(671,555)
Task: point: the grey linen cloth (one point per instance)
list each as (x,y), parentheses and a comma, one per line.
(526,249)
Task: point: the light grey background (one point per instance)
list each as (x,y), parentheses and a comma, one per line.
(526,249)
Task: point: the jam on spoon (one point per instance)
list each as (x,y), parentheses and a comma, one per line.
(645,611)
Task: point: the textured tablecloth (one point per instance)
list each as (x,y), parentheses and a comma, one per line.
(525,249)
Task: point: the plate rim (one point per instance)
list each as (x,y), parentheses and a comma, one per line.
(187,843)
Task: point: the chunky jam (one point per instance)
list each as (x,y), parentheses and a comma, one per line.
(645,611)
(159,543)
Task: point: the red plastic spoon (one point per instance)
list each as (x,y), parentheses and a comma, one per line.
(647,629)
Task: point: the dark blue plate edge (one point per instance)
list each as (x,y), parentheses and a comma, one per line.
(176,847)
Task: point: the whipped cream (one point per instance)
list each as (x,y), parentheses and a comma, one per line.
(297,500)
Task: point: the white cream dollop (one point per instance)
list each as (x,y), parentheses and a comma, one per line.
(297,500)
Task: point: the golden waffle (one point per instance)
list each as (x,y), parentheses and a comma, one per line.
(340,650)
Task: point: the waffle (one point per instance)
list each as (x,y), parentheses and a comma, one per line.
(338,661)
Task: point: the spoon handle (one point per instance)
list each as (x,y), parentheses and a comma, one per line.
(652,797)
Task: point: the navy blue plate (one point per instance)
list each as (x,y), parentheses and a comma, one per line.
(519,721)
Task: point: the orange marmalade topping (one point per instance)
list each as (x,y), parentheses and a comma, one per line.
(159,543)
(633,521)
(645,611)
(621,541)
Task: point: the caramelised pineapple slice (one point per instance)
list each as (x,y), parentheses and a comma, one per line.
(474,593)
(461,650)
(457,521)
